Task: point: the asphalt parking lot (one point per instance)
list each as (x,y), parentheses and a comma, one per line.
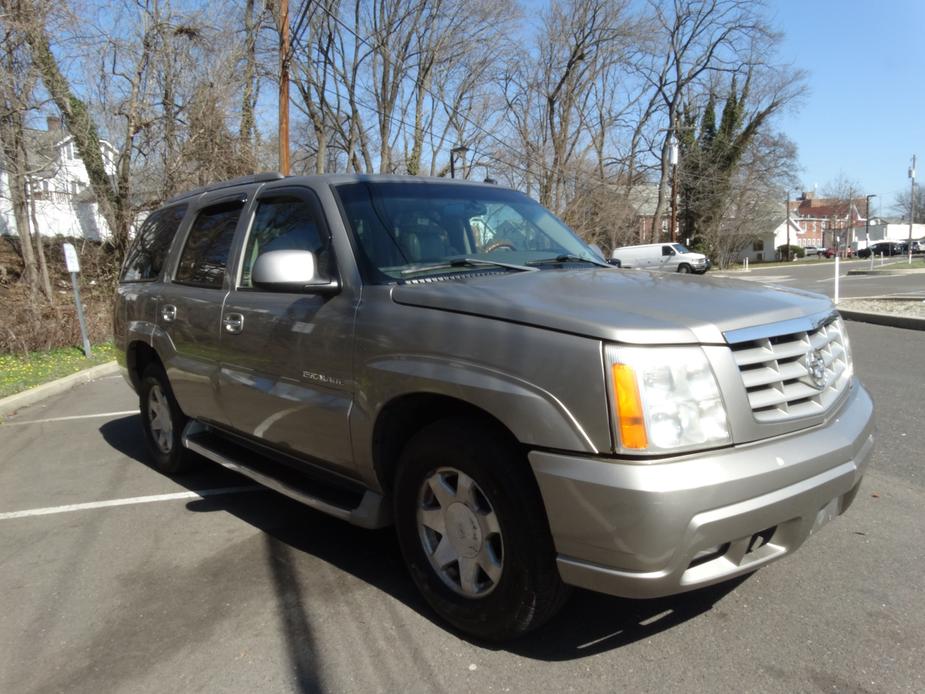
(207,583)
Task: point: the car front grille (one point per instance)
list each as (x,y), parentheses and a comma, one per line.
(796,374)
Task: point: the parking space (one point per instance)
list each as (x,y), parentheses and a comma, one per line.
(208,583)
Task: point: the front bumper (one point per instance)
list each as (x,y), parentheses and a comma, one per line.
(644,530)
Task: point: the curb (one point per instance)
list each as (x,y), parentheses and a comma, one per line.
(907,322)
(10,404)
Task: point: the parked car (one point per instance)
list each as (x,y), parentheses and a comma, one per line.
(844,251)
(887,248)
(811,251)
(448,357)
(666,257)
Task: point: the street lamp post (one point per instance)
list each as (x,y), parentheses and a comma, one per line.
(788,226)
(911,206)
(673,160)
(867,227)
(458,151)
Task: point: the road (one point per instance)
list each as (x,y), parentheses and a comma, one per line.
(820,277)
(238,590)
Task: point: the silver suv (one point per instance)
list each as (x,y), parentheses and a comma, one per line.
(449,358)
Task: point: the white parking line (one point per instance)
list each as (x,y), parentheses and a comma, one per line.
(130,501)
(76,416)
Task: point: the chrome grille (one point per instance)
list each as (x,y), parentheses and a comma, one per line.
(778,371)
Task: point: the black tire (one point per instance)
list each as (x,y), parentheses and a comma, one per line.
(163,422)
(528,590)
(684,268)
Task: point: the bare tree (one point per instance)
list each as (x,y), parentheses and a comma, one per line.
(697,38)
(902,207)
(16,87)
(550,91)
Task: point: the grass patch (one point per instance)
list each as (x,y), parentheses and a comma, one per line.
(904,264)
(19,373)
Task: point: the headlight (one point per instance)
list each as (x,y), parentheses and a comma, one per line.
(846,344)
(666,399)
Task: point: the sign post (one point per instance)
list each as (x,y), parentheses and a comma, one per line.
(73,267)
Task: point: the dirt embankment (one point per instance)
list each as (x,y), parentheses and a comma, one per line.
(29,323)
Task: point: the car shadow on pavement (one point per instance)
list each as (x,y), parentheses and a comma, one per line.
(591,623)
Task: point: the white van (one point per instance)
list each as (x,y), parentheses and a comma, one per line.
(670,257)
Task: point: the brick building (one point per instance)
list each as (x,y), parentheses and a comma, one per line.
(821,220)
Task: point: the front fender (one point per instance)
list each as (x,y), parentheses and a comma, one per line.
(533,415)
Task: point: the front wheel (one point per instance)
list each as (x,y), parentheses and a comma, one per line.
(473,531)
(684,268)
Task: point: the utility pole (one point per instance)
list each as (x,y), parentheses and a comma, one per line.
(787,203)
(673,159)
(911,205)
(284,87)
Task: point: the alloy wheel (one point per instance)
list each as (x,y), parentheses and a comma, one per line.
(159,419)
(460,533)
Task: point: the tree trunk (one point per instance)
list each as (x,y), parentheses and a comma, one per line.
(40,253)
(18,184)
(248,124)
(77,118)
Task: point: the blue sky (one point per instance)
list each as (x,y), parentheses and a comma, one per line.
(864,113)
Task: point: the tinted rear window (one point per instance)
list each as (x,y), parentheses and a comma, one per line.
(208,246)
(146,257)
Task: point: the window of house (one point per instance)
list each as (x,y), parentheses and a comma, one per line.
(758,245)
(208,245)
(146,257)
(285,223)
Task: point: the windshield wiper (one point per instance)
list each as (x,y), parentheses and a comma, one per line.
(465,262)
(567,258)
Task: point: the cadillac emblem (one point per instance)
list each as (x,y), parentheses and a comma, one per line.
(815,369)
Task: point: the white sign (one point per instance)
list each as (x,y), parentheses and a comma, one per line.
(70,257)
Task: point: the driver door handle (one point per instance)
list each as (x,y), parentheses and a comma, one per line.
(169,313)
(234,323)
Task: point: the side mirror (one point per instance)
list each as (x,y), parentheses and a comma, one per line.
(291,271)
(615,262)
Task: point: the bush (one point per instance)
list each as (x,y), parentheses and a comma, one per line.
(795,251)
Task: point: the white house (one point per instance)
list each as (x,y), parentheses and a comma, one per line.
(58,189)
(764,248)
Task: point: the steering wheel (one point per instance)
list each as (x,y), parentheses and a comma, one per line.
(497,245)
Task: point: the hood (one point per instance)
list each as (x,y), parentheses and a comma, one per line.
(631,306)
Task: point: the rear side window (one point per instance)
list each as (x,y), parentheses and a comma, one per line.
(208,245)
(285,223)
(146,257)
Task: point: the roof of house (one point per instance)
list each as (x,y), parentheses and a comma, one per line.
(44,149)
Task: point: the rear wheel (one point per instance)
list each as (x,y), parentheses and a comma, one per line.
(163,422)
(473,531)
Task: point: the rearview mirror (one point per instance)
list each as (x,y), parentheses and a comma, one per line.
(291,271)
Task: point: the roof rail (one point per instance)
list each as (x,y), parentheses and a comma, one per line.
(240,181)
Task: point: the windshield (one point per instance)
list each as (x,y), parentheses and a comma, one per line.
(680,248)
(425,227)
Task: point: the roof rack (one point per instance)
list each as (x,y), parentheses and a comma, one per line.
(240,181)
